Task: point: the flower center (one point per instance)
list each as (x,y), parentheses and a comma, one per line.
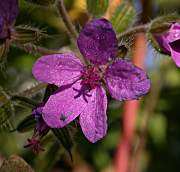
(91,77)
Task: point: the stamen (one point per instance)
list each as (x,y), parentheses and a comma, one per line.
(91,77)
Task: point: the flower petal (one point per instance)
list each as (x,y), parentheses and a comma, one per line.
(93,118)
(173,33)
(64,106)
(175,51)
(125,81)
(9,10)
(58,69)
(97,41)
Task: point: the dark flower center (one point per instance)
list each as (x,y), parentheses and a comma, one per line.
(91,77)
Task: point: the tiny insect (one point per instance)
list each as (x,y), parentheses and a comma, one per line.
(62,117)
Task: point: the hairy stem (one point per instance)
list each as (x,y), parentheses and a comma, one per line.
(33,49)
(70,27)
(66,19)
(142,29)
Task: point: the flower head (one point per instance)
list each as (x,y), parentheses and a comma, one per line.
(81,88)
(170,42)
(8,13)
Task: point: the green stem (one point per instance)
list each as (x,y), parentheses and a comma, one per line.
(143,29)
(66,19)
(33,49)
(70,27)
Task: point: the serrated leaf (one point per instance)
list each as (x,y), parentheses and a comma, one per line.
(15,164)
(97,7)
(26,124)
(64,137)
(123,17)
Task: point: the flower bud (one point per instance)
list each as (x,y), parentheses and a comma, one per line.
(27,34)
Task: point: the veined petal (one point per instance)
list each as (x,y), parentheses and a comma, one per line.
(9,10)
(125,81)
(97,41)
(64,106)
(93,119)
(57,69)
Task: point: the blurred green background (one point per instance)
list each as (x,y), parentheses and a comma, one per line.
(162,149)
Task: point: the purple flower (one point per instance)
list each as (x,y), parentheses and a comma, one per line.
(40,130)
(170,42)
(8,13)
(81,88)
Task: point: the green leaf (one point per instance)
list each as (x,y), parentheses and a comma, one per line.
(15,164)
(6,111)
(123,17)
(26,124)
(64,137)
(97,7)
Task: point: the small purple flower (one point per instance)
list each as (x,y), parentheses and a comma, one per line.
(81,88)
(170,42)
(8,12)
(40,130)
(41,127)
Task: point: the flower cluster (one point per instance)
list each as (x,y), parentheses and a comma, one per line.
(170,42)
(82,87)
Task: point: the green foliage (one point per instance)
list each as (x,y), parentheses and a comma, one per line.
(97,7)
(6,111)
(123,17)
(28,123)
(4,48)
(65,138)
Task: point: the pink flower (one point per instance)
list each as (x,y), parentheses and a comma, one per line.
(170,42)
(81,88)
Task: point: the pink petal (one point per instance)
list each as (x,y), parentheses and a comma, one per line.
(58,69)
(64,106)
(125,81)
(93,118)
(97,41)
